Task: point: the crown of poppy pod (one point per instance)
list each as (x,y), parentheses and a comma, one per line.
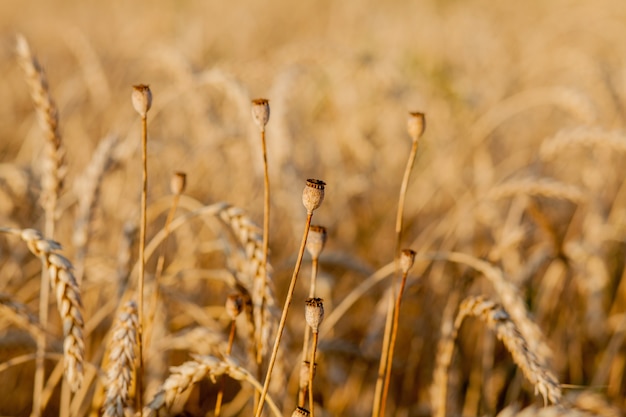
(313,194)
(261,112)
(142,98)
(299,412)
(314,313)
(416,124)
(407,257)
(178,183)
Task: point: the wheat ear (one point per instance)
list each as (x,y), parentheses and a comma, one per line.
(51,183)
(498,320)
(191,372)
(121,361)
(509,295)
(69,302)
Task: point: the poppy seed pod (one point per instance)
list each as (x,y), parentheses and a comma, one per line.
(178,182)
(316,240)
(261,112)
(313,194)
(142,99)
(314,313)
(234,305)
(407,257)
(300,412)
(416,125)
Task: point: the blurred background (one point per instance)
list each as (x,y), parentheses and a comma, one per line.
(523,156)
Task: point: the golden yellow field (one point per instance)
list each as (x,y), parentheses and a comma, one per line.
(515,206)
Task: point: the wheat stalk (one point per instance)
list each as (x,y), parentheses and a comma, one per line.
(543,187)
(121,361)
(587,137)
(87,189)
(19,314)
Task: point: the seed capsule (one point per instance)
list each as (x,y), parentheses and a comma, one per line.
(299,412)
(314,313)
(234,305)
(407,257)
(178,183)
(316,240)
(142,99)
(416,125)
(313,194)
(261,112)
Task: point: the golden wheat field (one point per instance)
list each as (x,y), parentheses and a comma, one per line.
(427,218)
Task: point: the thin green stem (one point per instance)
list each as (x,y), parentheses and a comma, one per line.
(283,318)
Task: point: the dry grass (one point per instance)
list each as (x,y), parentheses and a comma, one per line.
(517,195)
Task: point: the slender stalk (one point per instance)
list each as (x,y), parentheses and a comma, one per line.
(44,296)
(416,125)
(266,243)
(261,115)
(283,318)
(311,370)
(142,261)
(161,264)
(383,356)
(142,101)
(307,331)
(392,343)
(220,393)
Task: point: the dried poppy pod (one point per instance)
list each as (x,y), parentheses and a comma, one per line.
(261,112)
(316,240)
(299,412)
(314,313)
(416,125)
(313,194)
(142,99)
(407,257)
(178,183)
(234,305)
